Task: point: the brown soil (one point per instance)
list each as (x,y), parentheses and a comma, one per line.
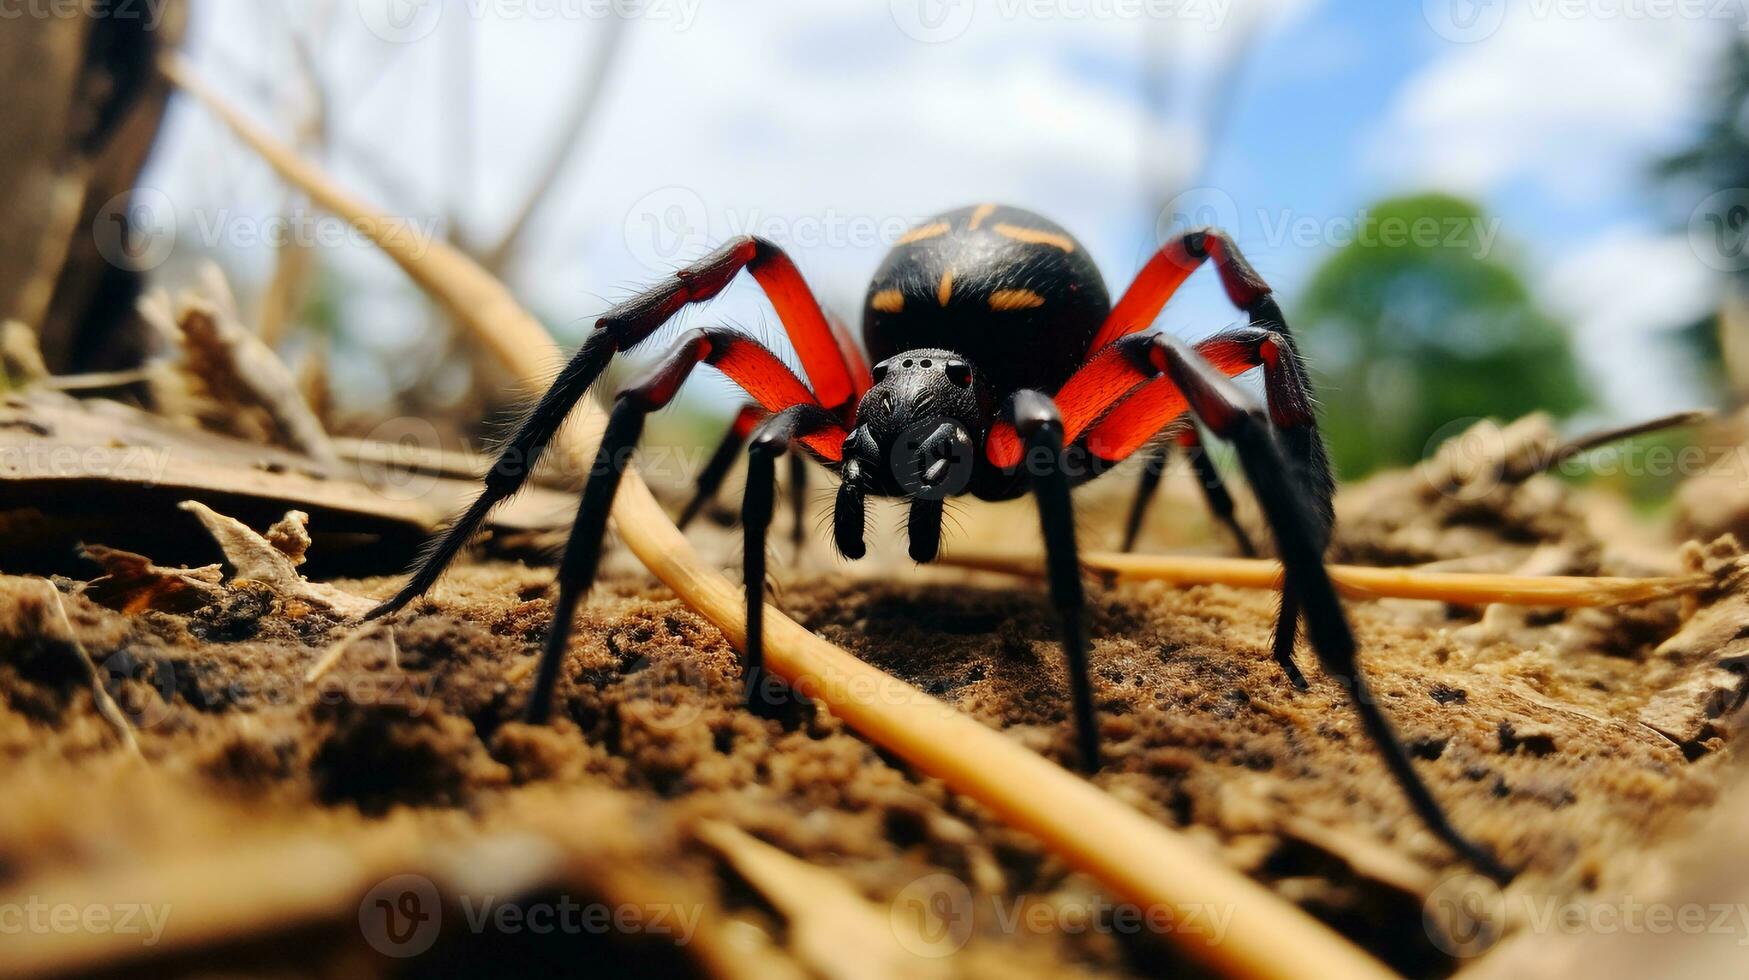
(262,809)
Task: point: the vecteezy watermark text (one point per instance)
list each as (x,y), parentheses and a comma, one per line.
(403,915)
(1469,21)
(408,21)
(148,13)
(37,917)
(936,915)
(671,224)
(1467,914)
(940,21)
(139,230)
(1205,207)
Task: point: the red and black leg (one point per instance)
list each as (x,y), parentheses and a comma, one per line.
(1154,404)
(1208,477)
(827,355)
(745,362)
(1300,538)
(1040,427)
(1118,400)
(773,438)
(1290,395)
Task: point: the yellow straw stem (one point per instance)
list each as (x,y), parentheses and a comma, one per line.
(1360,582)
(1137,858)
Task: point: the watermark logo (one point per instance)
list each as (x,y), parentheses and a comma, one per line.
(667,226)
(1464,21)
(1718,230)
(401,916)
(1465,915)
(401,470)
(930,462)
(136,230)
(1468,458)
(401,21)
(932,917)
(933,21)
(123,666)
(1198,207)
(668,695)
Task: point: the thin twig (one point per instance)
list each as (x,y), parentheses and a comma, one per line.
(106,705)
(1603,437)
(1135,857)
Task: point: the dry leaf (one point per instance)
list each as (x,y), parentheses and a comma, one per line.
(132,584)
(255,559)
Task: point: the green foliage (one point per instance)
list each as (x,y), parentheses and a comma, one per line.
(1408,332)
(1717,159)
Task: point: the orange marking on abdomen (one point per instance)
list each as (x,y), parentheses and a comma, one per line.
(1003,300)
(888,301)
(983,211)
(1034,236)
(944,292)
(918,234)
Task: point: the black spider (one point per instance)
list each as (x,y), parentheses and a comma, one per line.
(1001,366)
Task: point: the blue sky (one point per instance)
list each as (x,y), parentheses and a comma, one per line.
(829,126)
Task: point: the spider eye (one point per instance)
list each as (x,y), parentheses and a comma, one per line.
(880,372)
(959,372)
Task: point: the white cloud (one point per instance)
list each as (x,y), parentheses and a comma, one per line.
(798,113)
(1623,294)
(1573,110)
(1572,106)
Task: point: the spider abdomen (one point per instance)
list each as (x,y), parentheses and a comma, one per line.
(1004,288)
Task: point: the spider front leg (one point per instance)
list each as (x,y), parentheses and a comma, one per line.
(1153,405)
(1040,427)
(1300,536)
(739,357)
(1290,393)
(770,440)
(1127,372)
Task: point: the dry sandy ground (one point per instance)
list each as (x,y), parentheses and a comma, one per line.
(262,813)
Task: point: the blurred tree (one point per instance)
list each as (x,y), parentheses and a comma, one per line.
(1418,322)
(1717,160)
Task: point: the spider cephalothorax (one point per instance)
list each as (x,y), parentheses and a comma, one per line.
(1001,368)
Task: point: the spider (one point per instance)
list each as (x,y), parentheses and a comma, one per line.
(1001,367)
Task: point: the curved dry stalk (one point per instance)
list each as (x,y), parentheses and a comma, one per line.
(106,705)
(1138,859)
(1360,582)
